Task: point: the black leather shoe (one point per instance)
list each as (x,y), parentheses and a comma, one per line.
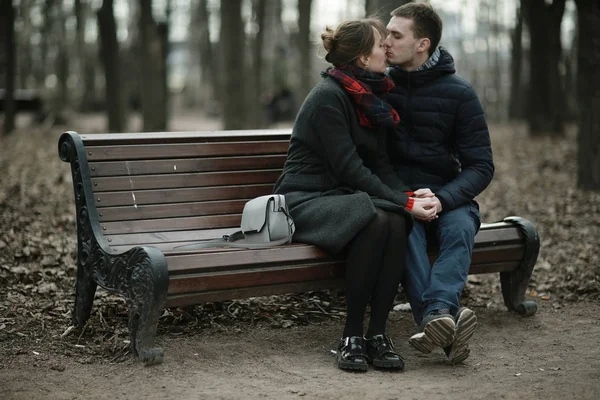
(352,354)
(382,354)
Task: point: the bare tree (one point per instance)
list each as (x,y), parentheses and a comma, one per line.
(516,104)
(62,59)
(86,70)
(109,54)
(588,86)
(153,52)
(232,45)
(546,95)
(208,69)
(304,47)
(7,29)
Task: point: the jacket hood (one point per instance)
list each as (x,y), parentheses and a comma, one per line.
(445,66)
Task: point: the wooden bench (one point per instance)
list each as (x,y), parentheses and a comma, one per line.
(139,195)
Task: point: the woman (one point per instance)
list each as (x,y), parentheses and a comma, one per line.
(342,192)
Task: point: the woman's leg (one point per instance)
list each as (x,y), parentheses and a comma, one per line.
(389,277)
(365,255)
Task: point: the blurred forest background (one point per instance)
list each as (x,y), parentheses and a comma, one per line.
(250,63)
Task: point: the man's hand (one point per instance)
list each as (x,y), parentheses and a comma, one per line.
(438,204)
(433,201)
(424,209)
(423,193)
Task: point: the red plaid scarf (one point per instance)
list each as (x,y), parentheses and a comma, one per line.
(367,90)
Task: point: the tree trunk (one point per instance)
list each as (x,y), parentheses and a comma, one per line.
(46,40)
(232,45)
(383,8)
(62,62)
(304,47)
(109,54)
(546,94)
(153,43)
(588,85)
(208,70)
(85,71)
(24,57)
(256,114)
(7,29)
(516,108)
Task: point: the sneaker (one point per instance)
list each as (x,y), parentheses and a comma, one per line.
(420,342)
(437,330)
(466,322)
(457,355)
(439,326)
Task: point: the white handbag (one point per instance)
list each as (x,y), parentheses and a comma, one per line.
(266,222)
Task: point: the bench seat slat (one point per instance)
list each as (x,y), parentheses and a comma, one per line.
(172,224)
(183,165)
(107,214)
(252,275)
(255,277)
(509,235)
(106,199)
(155,238)
(144,182)
(182,150)
(226,259)
(242,293)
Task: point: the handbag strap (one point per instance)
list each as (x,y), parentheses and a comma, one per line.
(234,240)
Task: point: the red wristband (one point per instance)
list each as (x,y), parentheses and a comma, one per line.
(409,204)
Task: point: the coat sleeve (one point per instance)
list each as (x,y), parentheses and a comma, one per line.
(383,168)
(342,158)
(474,151)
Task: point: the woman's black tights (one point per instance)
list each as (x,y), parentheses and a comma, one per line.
(374,267)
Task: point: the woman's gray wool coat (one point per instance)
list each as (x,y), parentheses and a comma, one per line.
(336,171)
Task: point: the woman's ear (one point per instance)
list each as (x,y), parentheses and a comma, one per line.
(364,61)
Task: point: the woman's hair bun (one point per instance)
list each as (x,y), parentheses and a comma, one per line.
(329,40)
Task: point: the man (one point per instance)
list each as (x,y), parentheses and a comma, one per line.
(442,150)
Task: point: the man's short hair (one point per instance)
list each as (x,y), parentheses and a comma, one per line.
(426,22)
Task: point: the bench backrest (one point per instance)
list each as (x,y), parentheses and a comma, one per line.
(167,189)
(160,187)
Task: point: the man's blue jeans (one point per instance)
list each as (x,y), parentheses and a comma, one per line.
(440,286)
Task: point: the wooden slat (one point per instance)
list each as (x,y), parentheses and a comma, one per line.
(166,151)
(491,254)
(103,139)
(145,182)
(107,214)
(254,277)
(172,224)
(106,199)
(225,260)
(494,267)
(155,238)
(220,295)
(183,165)
(509,234)
(298,287)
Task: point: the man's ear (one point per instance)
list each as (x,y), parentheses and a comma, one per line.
(424,45)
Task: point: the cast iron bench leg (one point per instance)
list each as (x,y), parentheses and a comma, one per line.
(140,275)
(514,283)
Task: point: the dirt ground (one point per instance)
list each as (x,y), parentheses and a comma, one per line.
(553,355)
(281,346)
